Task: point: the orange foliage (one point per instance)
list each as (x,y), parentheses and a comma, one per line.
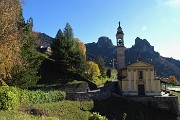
(172,79)
(10,43)
(82,47)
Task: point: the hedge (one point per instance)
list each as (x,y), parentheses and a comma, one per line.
(12,97)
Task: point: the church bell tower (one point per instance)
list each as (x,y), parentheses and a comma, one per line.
(120,50)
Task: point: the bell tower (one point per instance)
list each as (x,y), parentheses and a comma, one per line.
(120,50)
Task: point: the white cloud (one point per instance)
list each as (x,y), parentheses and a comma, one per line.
(171,3)
(144,28)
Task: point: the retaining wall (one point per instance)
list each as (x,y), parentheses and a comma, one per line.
(168,103)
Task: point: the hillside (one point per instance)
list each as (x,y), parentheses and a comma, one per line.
(43,40)
(142,48)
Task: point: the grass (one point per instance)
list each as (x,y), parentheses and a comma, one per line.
(101,81)
(75,82)
(18,115)
(178,95)
(63,110)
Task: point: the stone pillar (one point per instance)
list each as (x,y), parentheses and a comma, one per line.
(122,86)
(159,86)
(129,80)
(152,80)
(135,81)
(147,82)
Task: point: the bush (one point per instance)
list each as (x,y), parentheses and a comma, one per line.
(96,116)
(9,98)
(45,97)
(12,97)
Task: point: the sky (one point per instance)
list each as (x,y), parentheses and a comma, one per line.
(157,21)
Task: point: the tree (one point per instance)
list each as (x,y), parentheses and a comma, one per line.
(19,60)
(26,75)
(100,62)
(10,39)
(108,73)
(81,47)
(92,70)
(172,79)
(67,53)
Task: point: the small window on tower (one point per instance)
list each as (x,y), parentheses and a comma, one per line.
(140,74)
(120,42)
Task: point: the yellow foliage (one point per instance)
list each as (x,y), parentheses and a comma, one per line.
(92,70)
(10,43)
(172,79)
(82,47)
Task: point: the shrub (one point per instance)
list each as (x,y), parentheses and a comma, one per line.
(9,98)
(96,116)
(45,97)
(12,97)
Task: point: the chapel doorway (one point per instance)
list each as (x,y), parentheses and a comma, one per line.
(141,90)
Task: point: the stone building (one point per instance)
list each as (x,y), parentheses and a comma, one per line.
(137,78)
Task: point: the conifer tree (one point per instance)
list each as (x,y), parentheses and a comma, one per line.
(66,52)
(26,75)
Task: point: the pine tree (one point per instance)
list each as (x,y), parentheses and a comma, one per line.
(66,52)
(26,75)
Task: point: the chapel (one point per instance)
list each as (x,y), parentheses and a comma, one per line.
(136,79)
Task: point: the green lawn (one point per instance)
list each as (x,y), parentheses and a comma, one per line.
(18,115)
(177,94)
(63,110)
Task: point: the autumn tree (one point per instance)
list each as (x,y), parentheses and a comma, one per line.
(172,79)
(100,62)
(19,61)
(81,47)
(10,39)
(92,70)
(67,53)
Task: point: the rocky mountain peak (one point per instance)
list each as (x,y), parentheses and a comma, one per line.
(142,45)
(104,42)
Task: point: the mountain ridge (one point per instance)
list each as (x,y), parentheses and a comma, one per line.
(164,66)
(104,47)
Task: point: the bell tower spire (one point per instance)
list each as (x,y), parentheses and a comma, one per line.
(120,49)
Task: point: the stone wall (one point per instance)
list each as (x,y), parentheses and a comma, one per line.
(82,96)
(104,93)
(76,87)
(169,103)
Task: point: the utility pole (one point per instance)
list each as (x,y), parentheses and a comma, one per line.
(113,63)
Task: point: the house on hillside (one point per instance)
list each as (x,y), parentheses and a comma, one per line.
(135,79)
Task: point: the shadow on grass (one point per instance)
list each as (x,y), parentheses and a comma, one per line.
(52,77)
(115,108)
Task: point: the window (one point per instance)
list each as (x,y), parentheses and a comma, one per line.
(140,74)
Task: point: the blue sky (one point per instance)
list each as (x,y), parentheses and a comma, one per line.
(154,20)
